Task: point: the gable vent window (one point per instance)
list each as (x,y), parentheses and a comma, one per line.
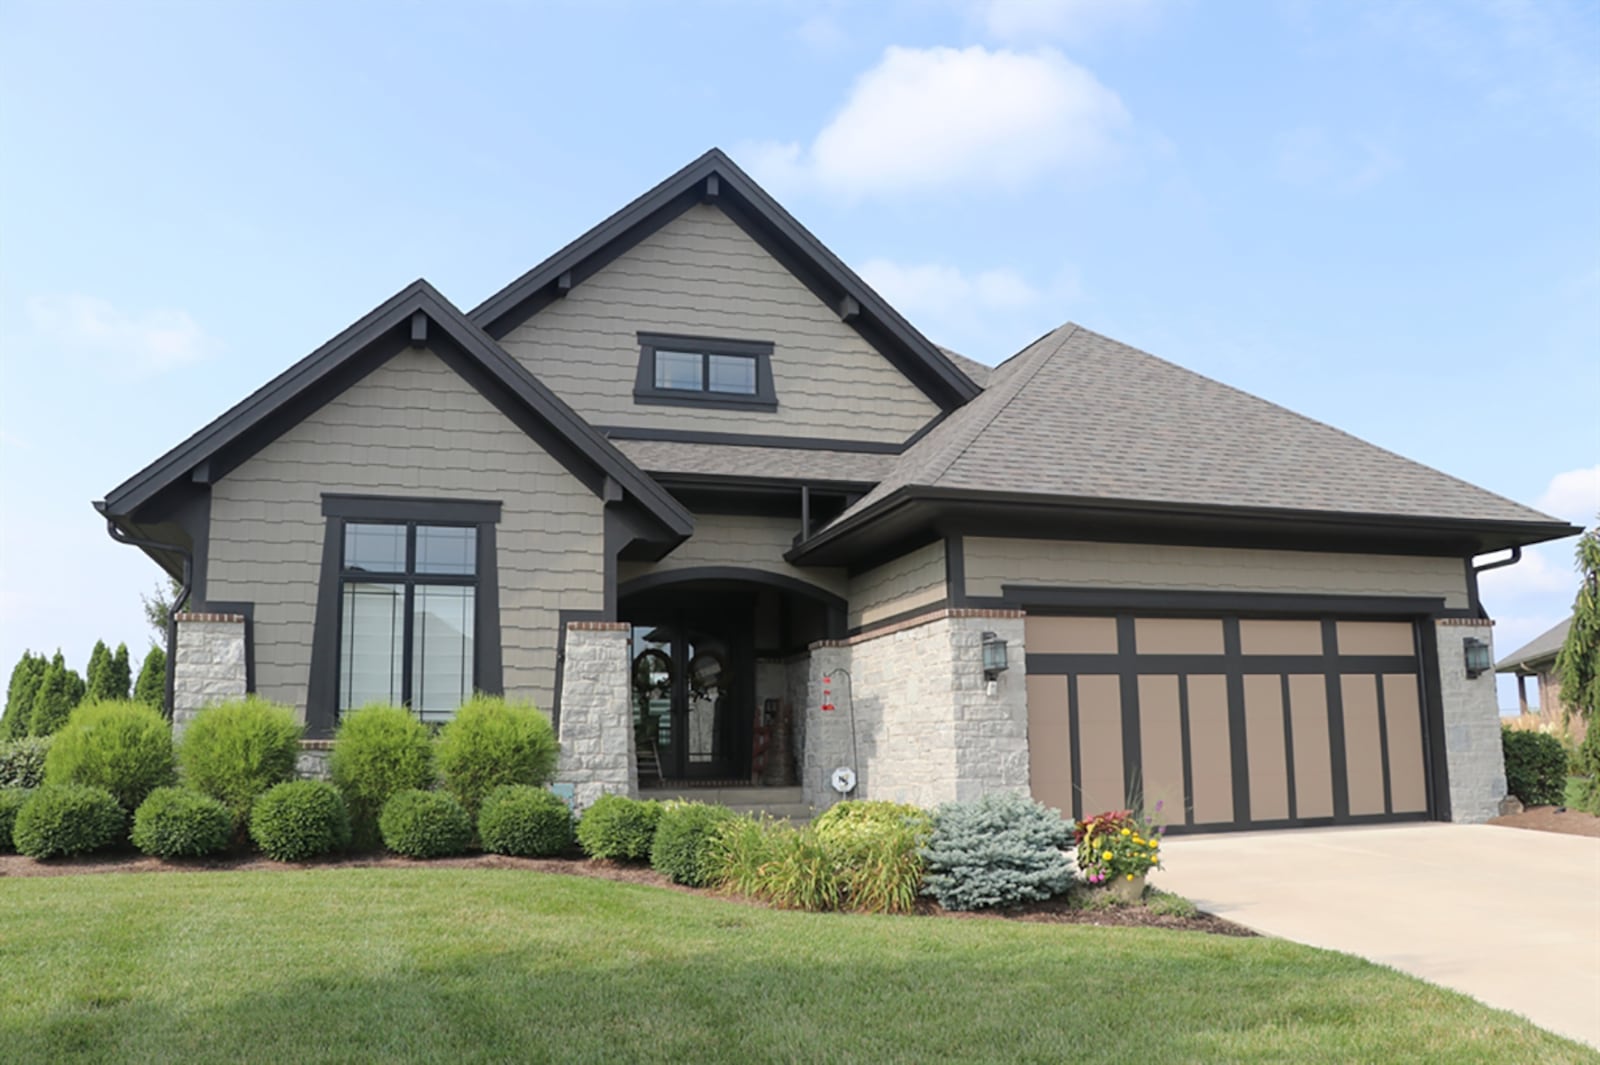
(704,372)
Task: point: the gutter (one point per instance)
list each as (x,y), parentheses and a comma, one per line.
(178,602)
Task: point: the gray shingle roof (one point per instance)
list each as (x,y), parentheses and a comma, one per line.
(1536,651)
(1080,415)
(730,460)
(977,371)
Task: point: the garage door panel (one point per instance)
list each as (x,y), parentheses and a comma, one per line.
(1178,636)
(1072,636)
(1263,736)
(1210,751)
(1161,744)
(1376,638)
(1050,742)
(1258,637)
(1363,751)
(1408,782)
(1313,756)
(1100,743)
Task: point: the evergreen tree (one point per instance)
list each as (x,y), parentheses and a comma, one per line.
(99,659)
(53,703)
(152,687)
(119,678)
(1578,662)
(25,679)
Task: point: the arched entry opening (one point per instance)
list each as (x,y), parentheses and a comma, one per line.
(719,670)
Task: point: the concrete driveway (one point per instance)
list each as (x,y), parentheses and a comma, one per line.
(1509,916)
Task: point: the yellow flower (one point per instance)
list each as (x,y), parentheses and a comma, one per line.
(1138,841)
(1130,876)
(1153,844)
(1127,832)
(1106,856)
(1152,859)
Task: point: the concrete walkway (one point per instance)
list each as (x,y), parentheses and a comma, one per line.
(1509,916)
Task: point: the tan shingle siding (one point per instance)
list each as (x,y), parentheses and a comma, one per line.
(742,540)
(913,580)
(412,427)
(702,275)
(993,562)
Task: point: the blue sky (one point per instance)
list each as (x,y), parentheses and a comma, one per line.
(1380,215)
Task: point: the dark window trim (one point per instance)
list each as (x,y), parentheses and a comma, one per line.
(646,391)
(322,689)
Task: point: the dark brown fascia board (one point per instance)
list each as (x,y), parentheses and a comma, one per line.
(396,313)
(994,513)
(942,380)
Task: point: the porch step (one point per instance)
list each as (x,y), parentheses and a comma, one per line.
(775,802)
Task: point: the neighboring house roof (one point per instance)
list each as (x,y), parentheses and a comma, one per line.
(1538,653)
(1079,418)
(801,465)
(417,314)
(714,177)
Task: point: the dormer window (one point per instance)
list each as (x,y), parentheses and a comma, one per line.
(704,372)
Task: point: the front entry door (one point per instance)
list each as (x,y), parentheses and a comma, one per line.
(693,689)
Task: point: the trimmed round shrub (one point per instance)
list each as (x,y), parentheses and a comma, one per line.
(381,750)
(300,819)
(525,822)
(236,751)
(123,747)
(181,823)
(618,828)
(425,824)
(685,845)
(491,742)
(1000,850)
(1536,766)
(11,800)
(22,761)
(59,820)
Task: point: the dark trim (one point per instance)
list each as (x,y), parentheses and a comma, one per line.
(1333,685)
(401,508)
(322,684)
(899,616)
(932,424)
(1294,822)
(645,389)
(1113,663)
(1383,744)
(617,535)
(1048,598)
(1288,747)
(783,582)
(1436,764)
(1238,729)
(955,570)
(1132,726)
(487,651)
(749,206)
(1076,749)
(795,443)
(563,618)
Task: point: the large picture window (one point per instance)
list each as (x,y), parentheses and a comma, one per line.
(704,372)
(407,593)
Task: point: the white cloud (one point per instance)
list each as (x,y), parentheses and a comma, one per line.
(941,117)
(150,342)
(1574,495)
(1059,19)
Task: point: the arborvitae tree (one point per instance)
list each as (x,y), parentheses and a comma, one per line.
(25,680)
(116,680)
(1578,662)
(53,703)
(94,676)
(152,687)
(77,689)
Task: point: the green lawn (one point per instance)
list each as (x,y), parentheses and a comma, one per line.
(493,965)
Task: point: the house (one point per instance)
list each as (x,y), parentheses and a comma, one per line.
(691,478)
(1537,659)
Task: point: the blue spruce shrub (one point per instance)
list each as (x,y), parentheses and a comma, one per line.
(1000,850)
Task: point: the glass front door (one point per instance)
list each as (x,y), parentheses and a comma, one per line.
(691,699)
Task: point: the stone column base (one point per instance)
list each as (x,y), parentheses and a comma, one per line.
(209,665)
(596,731)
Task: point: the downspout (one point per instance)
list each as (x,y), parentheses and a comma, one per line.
(178,601)
(1510,560)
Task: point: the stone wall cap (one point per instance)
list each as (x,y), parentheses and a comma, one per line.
(316,745)
(1467,622)
(599,626)
(187,616)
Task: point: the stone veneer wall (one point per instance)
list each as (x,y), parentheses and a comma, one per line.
(209,665)
(1471,724)
(926,728)
(596,730)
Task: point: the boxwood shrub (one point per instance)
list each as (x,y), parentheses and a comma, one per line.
(491,742)
(684,847)
(381,750)
(619,829)
(1536,766)
(524,821)
(181,823)
(236,751)
(121,746)
(22,761)
(59,820)
(11,800)
(425,824)
(300,819)
(1000,850)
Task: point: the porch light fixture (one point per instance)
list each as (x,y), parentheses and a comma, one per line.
(1477,656)
(994,657)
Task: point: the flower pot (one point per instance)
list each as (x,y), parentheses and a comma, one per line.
(1125,890)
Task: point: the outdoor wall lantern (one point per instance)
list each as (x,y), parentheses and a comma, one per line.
(994,657)
(1477,654)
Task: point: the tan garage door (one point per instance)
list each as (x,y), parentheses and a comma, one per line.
(1227,722)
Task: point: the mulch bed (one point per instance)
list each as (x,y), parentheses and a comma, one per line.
(1053,911)
(1553,819)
